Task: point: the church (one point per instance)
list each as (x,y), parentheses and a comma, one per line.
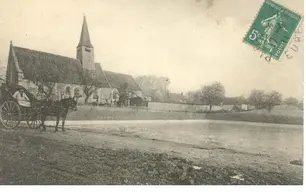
(26,65)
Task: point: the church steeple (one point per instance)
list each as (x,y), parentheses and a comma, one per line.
(85,50)
(85,39)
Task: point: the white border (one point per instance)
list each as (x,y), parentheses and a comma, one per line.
(55,188)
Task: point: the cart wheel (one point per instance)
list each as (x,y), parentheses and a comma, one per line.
(10,114)
(34,121)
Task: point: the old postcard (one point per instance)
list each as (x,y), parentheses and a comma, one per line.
(151,92)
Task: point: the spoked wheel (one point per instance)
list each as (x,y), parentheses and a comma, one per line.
(10,114)
(34,120)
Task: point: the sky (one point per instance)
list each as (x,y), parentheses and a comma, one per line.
(193,42)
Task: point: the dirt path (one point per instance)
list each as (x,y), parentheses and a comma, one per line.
(216,143)
(210,152)
(54,158)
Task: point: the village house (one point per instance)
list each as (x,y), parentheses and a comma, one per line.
(24,65)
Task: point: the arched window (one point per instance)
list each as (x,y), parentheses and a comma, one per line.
(76,92)
(68,91)
(95,95)
(115,94)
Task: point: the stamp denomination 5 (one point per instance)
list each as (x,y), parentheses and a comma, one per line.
(272,29)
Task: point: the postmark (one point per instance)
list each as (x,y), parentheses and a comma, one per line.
(292,48)
(272,29)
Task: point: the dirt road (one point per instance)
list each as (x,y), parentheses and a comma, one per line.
(143,154)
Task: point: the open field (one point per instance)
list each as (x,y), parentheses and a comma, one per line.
(108,113)
(153,152)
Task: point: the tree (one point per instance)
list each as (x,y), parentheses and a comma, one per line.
(123,94)
(272,99)
(241,100)
(89,81)
(291,101)
(190,95)
(155,87)
(194,97)
(257,98)
(45,76)
(213,94)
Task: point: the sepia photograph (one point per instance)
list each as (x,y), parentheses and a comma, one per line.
(151,92)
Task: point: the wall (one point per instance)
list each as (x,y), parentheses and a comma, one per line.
(191,108)
(180,107)
(60,91)
(106,95)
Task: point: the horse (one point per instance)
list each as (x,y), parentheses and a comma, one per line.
(58,109)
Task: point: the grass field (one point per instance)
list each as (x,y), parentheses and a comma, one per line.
(278,116)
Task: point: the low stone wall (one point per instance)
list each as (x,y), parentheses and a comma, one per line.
(181,107)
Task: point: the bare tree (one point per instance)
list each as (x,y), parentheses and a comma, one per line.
(123,94)
(213,94)
(194,97)
(46,76)
(257,98)
(272,99)
(90,83)
(155,87)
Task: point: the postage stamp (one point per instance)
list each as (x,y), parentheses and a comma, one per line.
(272,29)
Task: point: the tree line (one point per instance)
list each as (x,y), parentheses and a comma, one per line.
(213,94)
(157,87)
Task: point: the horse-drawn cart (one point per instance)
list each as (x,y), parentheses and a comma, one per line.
(11,113)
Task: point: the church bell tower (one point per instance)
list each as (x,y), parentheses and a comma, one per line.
(85,50)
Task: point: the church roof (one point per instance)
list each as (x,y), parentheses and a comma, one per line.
(85,39)
(117,80)
(66,70)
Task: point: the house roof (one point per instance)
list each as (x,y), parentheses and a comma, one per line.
(67,70)
(117,80)
(85,39)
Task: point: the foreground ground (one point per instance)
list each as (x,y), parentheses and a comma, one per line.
(147,154)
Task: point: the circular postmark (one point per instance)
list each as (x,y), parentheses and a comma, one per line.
(291,49)
(276,32)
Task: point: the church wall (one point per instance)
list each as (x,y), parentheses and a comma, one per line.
(28,85)
(61,90)
(108,95)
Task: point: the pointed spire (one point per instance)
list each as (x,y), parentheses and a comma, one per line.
(84,39)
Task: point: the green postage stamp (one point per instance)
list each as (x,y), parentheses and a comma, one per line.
(272,29)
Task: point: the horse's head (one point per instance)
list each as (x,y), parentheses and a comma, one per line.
(70,103)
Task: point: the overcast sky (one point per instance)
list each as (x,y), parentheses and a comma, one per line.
(193,42)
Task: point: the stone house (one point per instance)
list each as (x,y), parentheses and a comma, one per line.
(24,64)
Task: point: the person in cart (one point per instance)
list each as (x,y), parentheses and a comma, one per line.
(22,98)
